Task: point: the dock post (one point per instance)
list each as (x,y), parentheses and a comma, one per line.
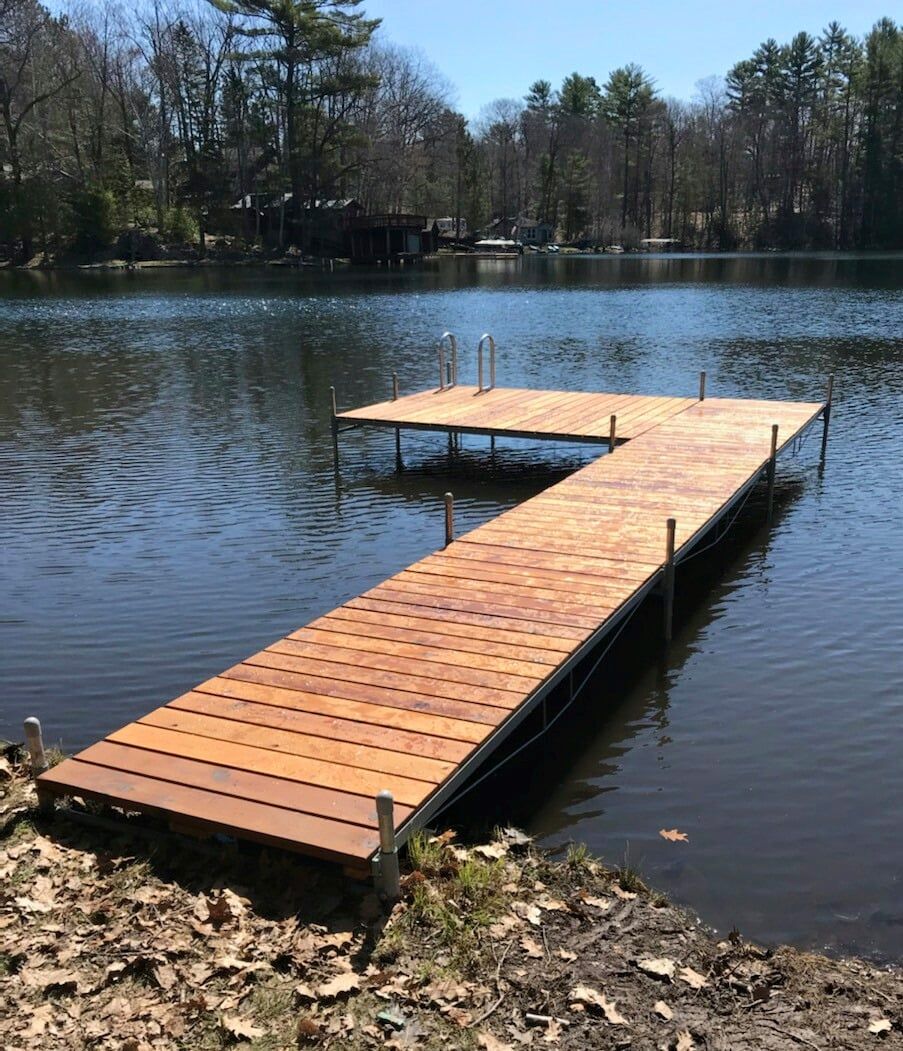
(334,426)
(826,415)
(702,386)
(34,742)
(611,433)
(669,580)
(772,469)
(449,518)
(394,386)
(388,874)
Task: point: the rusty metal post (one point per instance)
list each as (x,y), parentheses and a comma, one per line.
(394,386)
(702,386)
(612,433)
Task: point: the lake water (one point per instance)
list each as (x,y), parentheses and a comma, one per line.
(170,505)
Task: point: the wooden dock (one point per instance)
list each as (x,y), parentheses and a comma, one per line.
(411,686)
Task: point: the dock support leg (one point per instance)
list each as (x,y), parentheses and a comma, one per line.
(702,386)
(399,466)
(449,518)
(826,415)
(772,470)
(387,874)
(612,433)
(668,582)
(334,426)
(34,742)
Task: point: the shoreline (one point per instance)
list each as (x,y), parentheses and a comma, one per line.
(118,932)
(329,264)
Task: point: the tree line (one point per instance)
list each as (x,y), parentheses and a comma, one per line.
(160,117)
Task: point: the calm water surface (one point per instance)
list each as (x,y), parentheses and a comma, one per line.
(170,505)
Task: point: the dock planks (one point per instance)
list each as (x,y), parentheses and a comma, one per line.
(407,686)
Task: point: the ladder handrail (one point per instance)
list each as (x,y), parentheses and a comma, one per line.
(449,337)
(483,339)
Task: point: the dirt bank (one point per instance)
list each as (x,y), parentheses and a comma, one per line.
(119,937)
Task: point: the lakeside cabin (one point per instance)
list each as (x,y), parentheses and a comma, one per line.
(391,238)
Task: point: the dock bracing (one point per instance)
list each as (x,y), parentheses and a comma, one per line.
(403,692)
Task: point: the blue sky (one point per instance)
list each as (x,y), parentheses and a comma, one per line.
(492,49)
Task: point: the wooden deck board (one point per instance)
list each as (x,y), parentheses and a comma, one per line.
(398,687)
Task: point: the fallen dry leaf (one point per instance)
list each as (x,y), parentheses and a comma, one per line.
(492,1043)
(663,1010)
(661,968)
(684,1041)
(584,994)
(342,983)
(566,954)
(879,1025)
(241,1028)
(531,948)
(624,895)
(528,912)
(693,978)
(493,851)
(597,903)
(553,1032)
(673,835)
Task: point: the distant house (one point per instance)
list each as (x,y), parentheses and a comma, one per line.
(521,228)
(386,238)
(532,231)
(320,227)
(448,226)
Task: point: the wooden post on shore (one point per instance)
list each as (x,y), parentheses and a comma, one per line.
(394,386)
(612,431)
(449,518)
(826,415)
(772,469)
(668,582)
(702,386)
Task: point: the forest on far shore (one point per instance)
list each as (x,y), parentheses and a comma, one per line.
(155,118)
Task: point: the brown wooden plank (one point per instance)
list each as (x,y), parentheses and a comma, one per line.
(366,713)
(351,635)
(440,689)
(495,629)
(367,692)
(260,760)
(258,788)
(413,631)
(380,658)
(289,741)
(320,837)
(317,725)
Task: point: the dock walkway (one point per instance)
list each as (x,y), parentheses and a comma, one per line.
(412,685)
